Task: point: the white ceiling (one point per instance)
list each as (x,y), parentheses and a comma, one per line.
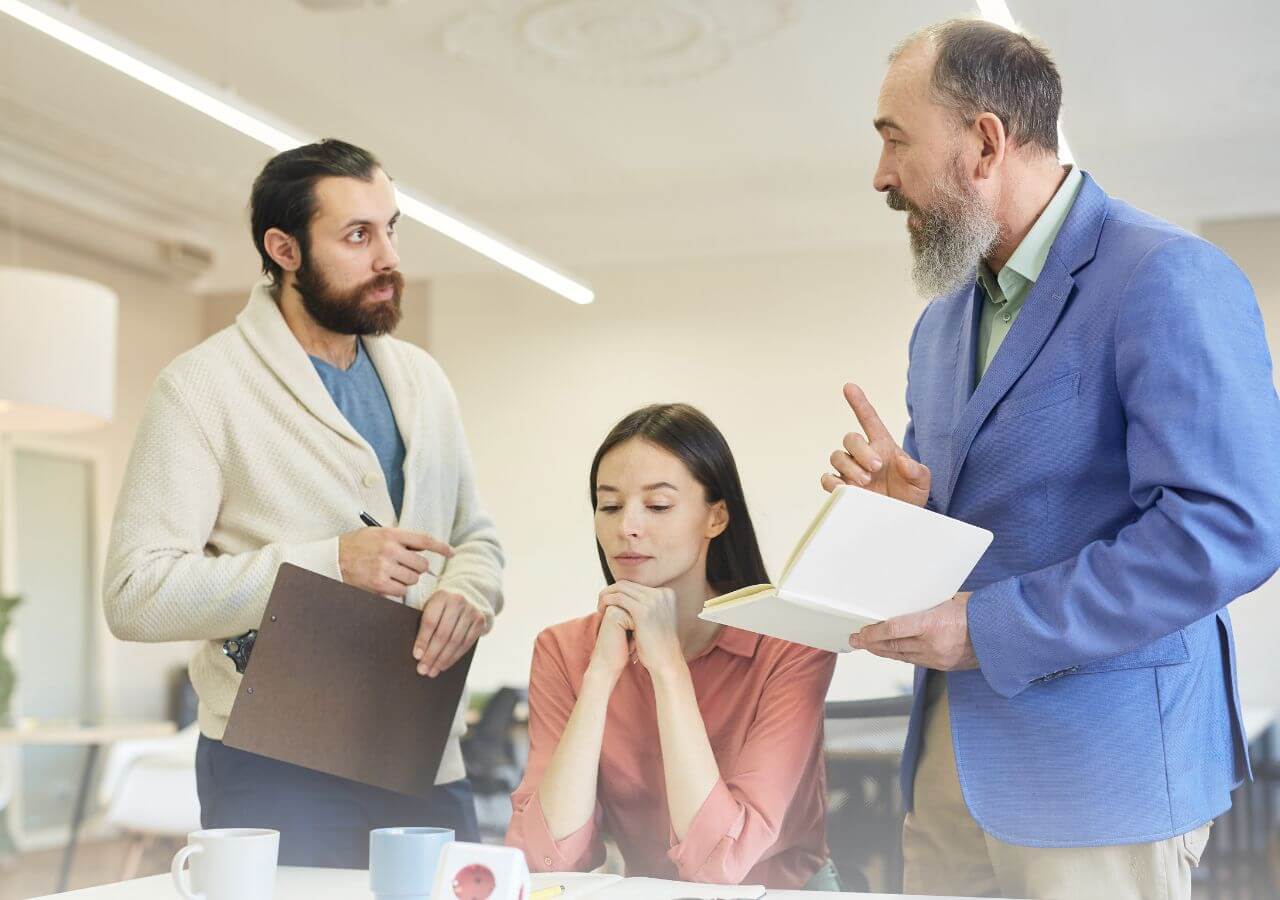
(681,128)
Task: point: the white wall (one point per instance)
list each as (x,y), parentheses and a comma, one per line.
(157,321)
(1252,244)
(761,345)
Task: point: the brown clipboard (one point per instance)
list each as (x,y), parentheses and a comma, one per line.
(332,685)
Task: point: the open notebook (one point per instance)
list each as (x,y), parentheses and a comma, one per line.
(615,887)
(864,558)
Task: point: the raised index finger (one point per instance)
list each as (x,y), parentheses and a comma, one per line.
(420,540)
(868,418)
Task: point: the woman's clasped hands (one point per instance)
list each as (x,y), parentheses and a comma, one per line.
(646,615)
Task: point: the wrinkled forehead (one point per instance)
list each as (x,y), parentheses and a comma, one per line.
(343,199)
(906,100)
(904,92)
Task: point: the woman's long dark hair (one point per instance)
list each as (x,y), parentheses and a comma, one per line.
(733,559)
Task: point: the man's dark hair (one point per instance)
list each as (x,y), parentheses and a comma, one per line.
(284,193)
(983,67)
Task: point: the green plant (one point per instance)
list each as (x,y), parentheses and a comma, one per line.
(8,678)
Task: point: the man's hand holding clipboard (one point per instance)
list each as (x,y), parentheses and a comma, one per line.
(389,561)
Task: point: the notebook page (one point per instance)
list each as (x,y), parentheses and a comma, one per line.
(881,557)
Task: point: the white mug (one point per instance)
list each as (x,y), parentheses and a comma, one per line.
(228,864)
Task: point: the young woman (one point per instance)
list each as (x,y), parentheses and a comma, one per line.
(697,747)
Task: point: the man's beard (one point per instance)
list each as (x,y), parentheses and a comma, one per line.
(951,237)
(347,312)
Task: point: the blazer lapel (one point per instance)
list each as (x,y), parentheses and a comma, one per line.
(1039,314)
(264,327)
(966,349)
(964,306)
(1074,246)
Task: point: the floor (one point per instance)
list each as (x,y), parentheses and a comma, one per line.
(34,874)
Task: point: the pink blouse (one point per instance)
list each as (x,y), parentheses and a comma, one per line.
(764,822)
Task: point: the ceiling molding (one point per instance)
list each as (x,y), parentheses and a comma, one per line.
(53,141)
(324,6)
(66,185)
(46,217)
(615,41)
(76,208)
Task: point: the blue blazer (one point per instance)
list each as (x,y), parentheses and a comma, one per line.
(1124,447)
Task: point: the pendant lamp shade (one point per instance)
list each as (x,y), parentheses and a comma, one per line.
(57,352)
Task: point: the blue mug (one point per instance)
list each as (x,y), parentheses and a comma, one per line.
(402,861)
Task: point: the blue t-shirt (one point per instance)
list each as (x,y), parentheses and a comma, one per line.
(360,396)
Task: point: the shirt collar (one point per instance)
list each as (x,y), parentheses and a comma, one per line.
(991,284)
(738,642)
(357,363)
(1027,261)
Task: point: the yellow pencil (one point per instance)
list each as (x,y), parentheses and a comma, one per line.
(548,892)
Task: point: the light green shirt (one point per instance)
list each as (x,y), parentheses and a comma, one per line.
(1006,292)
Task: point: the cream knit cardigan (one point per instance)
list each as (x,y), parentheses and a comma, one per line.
(243,462)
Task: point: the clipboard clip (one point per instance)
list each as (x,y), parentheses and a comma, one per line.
(237,649)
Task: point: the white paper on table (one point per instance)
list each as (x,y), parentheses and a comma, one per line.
(611,887)
(576,884)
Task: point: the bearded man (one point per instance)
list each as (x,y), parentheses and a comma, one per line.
(269,443)
(1093,385)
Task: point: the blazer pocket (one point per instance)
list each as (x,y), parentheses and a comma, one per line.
(1166,651)
(1048,394)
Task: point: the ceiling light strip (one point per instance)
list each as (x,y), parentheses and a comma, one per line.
(59,26)
(496,250)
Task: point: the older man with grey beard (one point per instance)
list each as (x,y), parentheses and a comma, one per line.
(1093,385)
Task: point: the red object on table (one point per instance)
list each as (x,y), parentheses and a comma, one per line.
(474,882)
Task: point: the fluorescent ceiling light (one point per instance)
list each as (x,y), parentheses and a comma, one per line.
(997,11)
(71,30)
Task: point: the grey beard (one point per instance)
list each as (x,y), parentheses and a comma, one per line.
(953,238)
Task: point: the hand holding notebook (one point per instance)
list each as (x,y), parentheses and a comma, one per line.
(864,558)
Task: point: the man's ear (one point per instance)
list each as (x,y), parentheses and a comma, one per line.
(719,520)
(283,249)
(994,143)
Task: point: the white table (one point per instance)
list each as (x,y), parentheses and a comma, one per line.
(55,733)
(353,884)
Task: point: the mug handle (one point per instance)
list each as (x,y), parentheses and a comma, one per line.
(179,861)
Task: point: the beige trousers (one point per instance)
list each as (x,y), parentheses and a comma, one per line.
(946,852)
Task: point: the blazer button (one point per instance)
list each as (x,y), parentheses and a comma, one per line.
(546,861)
(370,480)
